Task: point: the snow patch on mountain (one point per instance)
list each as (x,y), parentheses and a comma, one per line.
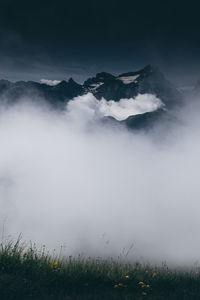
(90,107)
(95,86)
(128,79)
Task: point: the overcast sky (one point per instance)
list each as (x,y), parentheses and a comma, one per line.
(59,39)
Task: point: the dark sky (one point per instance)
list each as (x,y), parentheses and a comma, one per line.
(59,39)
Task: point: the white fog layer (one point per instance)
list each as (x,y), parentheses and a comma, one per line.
(101,190)
(120,110)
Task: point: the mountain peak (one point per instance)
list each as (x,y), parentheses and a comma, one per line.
(146,70)
(62,83)
(104,85)
(71,81)
(104,75)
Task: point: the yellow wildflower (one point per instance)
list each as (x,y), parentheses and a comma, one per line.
(141,283)
(127,276)
(154,274)
(54,265)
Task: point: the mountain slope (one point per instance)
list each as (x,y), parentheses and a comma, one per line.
(104,85)
(57,95)
(128,85)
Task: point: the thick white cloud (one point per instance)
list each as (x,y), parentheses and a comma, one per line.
(120,110)
(98,191)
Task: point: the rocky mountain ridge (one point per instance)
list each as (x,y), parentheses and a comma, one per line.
(127,85)
(148,80)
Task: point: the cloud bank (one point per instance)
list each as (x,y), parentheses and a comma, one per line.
(98,189)
(120,110)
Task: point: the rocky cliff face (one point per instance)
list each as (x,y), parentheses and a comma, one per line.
(104,85)
(128,85)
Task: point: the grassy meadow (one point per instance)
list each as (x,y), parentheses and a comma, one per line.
(26,273)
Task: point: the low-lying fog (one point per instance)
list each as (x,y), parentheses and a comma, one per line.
(68,179)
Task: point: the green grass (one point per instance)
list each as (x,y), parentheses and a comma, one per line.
(32,274)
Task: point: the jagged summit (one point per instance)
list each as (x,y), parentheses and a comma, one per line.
(92,84)
(104,75)
(128,85)
(62,83)
(103,85)
(72,81)
(145,70)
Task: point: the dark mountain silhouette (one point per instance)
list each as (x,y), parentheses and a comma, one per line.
(127,85)
(57,95)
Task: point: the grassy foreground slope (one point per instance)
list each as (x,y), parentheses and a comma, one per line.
(32,274)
